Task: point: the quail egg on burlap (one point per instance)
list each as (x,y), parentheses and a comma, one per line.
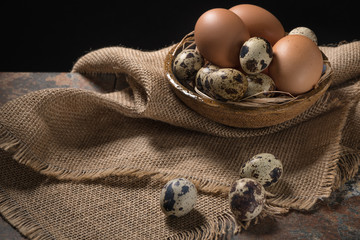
(187,63)
(255,55)
(224,84)
(178,197)
(264,168)
(246,198)
(260,86)
(307,32)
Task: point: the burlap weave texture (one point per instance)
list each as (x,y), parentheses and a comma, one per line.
(99,160)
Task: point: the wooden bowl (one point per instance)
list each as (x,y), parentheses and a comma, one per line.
(242,115)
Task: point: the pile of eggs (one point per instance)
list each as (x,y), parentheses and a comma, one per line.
(244,52)
(246,196)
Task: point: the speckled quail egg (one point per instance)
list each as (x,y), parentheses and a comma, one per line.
(203,73)
(307,32)
(178,197)
(224,84)
(187,63)
(264,168)
(246,198)
(260,83)
(255,55)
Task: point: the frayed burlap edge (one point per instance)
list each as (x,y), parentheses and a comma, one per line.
(342,167)
(20,219)
(347,166)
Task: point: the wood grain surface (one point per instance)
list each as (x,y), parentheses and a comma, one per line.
(337,217)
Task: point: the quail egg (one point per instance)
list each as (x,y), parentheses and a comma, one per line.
(224,84)
(307,32)
(178,197)
(203,73)
(246,198)
(255,55)
(260,83)
(264,168)
(187,63)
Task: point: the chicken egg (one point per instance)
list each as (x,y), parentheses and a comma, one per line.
(297,64)
(219,34)
(246,198)
(260,22)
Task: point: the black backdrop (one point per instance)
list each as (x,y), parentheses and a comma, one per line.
(52,35)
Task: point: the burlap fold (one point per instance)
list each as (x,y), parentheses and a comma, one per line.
(98,161)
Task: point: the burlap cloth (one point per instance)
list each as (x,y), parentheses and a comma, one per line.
(77,164)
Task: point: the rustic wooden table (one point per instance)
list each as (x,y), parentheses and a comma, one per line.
(335,218)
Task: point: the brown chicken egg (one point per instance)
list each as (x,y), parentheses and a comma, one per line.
(219,35)
(297,64)
(260,22)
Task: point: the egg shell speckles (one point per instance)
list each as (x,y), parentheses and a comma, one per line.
(264,168)
(203,73)
(246,198)
(187,63)
(178,197)
(260,83)
(255,55)
(224,84)
(307,32)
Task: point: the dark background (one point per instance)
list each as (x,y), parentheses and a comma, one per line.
(52,35)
